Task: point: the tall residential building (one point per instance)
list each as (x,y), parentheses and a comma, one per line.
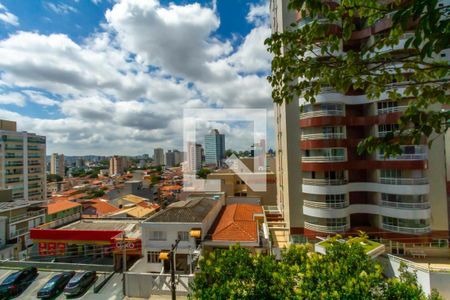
(117,165)
(158,156)
(22,163)
(170,158)
(194,158)
(214,148)
(325,187)
(178,156)
(57,164)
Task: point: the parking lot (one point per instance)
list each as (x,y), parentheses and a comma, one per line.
(111,291)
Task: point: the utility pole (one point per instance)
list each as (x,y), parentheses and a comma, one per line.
(124,261)
(172,269)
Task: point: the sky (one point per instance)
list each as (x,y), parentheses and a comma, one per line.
(110,77)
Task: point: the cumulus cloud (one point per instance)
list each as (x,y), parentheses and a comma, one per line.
(13,98)
(259,13)
(7,17)
(122,89)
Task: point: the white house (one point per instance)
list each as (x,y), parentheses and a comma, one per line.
(160,231)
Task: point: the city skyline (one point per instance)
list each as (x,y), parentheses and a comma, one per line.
(120,107)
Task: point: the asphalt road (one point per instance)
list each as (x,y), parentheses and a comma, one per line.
(111,291)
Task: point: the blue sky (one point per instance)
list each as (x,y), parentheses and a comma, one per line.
(112,77)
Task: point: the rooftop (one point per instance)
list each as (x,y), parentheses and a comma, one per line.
(96,224)
(236,223)
(193,210)
(102,207)
(54,207)
(7,206)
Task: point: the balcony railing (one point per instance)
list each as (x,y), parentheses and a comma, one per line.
(405,156)
(28,215)
(322,158)
(410,230)
(408,205)
(388,110)
(323,136)
(19,232)
(403,181)
(322,204)
(327,229)
(315,181)
(321,113)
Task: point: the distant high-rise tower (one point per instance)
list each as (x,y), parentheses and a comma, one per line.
(194,158)
(22,163)
(158,156)
(117,165)
(57,164)
(214,148)
(170,158)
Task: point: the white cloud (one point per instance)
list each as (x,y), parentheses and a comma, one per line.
(12,98)
(122,89)
(60,8)
(259,14)
(7,17)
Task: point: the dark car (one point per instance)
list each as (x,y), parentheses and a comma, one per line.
(17,282)
(55,285)
(79,283)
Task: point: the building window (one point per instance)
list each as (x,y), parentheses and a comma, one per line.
(183,235)
(157,235)
(152,257)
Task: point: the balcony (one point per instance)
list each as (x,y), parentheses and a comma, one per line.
(323,136)
(389,110)
(27,216)
(323,181)
(404,181)
(322,113)
(322,204)
(18,233)
(405,205)
(323,158)
(415,153)
(327,229)
(408,230)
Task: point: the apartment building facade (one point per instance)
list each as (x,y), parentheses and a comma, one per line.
(57,164)
(325,187)
(117,165)
(158,156)
(193,161)
(22,163)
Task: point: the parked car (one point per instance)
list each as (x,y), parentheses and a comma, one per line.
(17,282)
(55,285)
(79,283)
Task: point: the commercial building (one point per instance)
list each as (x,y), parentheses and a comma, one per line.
(325,187)
(57,164)
(214,148)
(170,159)
(193,161)
(158,156)
(22,163)
(117,165)
(178,156)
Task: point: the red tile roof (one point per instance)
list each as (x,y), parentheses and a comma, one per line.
(54,207)
(102,207)
(236,223)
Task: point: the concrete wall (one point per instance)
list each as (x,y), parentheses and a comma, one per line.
(428,279)
(141,285)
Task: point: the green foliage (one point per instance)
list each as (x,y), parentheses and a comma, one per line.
(346,272)
(54,178)
(155,179)
(203,173)
(307,60)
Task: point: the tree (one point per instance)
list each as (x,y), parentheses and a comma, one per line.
(203,173)
(345,272)
(54,178)
(307,60)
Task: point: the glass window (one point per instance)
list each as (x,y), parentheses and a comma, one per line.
(183,235)
(157,235)
(152,257)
